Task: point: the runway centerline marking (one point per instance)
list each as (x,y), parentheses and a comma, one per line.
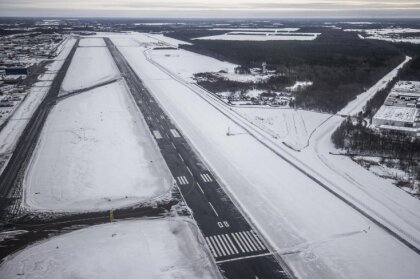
(214,210)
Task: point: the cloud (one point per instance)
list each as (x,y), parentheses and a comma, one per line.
(215,8)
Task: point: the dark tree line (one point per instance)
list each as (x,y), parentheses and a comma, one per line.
(355,137)
(339,64)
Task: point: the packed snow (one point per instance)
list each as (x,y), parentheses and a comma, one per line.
(95,152)
(293,127)
(92,42)
(90,66)
(149,249)
(316,234)
(271,36)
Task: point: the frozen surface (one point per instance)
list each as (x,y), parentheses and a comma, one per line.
(288,125)
(184,63)
(149,249)
(95,152)
(318,235)
(90,65)
(98,42)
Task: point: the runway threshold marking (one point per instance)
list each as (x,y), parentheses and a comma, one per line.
(238,243)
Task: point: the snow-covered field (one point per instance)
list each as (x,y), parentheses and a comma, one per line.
(95,152)
(263,37)
(389,34)
(318,235)
(149,249)
(90,65)
(183,63)
(288,125)
(92,42)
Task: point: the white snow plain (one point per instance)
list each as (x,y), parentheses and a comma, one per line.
(149,249)
(262,37)
(90,66)
(95,152)
(292,127)
(317,235)
(92,42)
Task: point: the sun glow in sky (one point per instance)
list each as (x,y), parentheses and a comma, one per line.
(213,8)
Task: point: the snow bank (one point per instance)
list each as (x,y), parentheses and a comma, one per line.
(90,65)
(95,152)
(317,234)
(146,249)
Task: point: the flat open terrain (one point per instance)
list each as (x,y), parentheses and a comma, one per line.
(127,249)
(90,65)
(95,153)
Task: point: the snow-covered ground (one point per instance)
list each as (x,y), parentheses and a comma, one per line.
(318,235)
(293,127)
(389,34)
(95,152)
(92,42)
(149,249)
(263,37)
(90,65)
(184,63)
(13,129)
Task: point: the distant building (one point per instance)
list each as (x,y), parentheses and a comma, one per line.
(264,67)
(400,112)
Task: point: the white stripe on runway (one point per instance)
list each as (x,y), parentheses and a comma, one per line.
(219,245)
(232,249)
(231,243)
(182,180)
(252,240)
(212,207)
(211,247)
(157,134)
(175,133)
(258,240)
(199,187)
(237,242)
(223,244)
(246,242)
(215,246)
(249,241)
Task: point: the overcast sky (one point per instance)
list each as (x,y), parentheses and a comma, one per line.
(213,8)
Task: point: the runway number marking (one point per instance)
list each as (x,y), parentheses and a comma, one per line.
(223,224)
(237,243)
(206,178)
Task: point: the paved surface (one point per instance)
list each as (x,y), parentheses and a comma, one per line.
(238,250)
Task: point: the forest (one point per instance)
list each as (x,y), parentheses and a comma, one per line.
(339,64)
